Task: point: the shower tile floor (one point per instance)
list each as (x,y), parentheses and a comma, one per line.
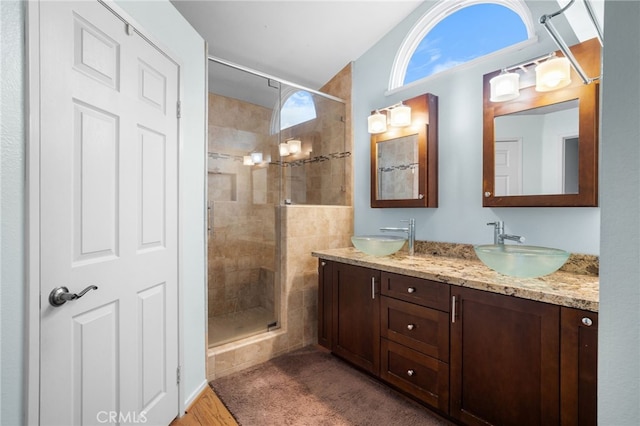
(229,327)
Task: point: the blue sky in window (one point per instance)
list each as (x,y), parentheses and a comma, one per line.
(467,34)
(298,108)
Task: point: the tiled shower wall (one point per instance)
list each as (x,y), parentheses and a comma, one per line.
(304,229)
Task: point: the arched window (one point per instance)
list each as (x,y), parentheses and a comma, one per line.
(298,108)
(454,32)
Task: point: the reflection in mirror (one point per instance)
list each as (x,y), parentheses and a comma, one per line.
(398,168)
(536,150)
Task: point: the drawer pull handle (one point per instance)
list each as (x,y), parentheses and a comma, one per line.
(411,290)
(410,373)
(453,309)
(587,321)
(410,327)
(373,288)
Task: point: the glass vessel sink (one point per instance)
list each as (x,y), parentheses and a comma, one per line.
(521,261)
(378,245)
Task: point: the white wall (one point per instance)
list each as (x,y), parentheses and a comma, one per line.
(12,171)
(170,29)
(619,329)
(161,19)
(460,216)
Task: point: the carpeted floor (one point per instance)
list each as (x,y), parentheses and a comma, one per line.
(312,387)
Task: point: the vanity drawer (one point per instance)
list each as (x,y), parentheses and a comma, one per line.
(420,375)
(416,290)
(423,329)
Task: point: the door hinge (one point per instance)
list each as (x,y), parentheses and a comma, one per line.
(178,375)
(178,109)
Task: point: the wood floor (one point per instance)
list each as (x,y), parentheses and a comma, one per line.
(207,410)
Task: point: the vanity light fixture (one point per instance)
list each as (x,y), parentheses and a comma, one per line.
(505,86)
(289,147)
(295,146)
(399,116)
(284,149)
(247,161)
(553,74)
(256,157)
(377,122)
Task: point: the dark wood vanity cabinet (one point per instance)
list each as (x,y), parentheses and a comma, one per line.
(354,314)
(479,357)
(414,333)
(505,363)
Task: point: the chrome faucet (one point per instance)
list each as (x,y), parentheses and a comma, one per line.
(410,230)
(499,236)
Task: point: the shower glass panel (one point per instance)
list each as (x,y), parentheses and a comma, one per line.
(317,172)
(244,178)
(271,143)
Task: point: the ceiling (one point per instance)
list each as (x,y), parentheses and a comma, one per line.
(307,42)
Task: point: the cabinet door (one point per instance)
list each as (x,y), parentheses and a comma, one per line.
(504,360)
(325,317)
(579,366)
(356,315)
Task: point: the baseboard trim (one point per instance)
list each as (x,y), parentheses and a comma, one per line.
(195,395)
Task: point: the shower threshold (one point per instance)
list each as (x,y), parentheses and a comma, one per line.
(239,325)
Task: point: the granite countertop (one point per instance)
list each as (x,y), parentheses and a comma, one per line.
(560,288)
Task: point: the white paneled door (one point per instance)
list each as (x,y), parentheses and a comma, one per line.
(508,167)
(108,218)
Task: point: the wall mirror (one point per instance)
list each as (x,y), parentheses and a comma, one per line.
(404,160)
(541,149)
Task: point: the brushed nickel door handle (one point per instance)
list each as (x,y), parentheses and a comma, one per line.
(60,295)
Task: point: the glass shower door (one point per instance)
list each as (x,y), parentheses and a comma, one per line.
(243,193)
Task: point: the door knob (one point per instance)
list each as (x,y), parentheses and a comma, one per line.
(60,295)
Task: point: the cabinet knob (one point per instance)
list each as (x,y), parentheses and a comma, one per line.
(411,290)
(410,373)
(410,326)
(587,321)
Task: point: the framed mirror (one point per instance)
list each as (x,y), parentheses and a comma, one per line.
(404,160)
(541,149)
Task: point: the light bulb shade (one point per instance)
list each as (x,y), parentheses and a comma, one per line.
(377,123)
(247,161)
(284,149)
(505,87)
(295,146)
(256,157)
(553,74)
(400,116)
